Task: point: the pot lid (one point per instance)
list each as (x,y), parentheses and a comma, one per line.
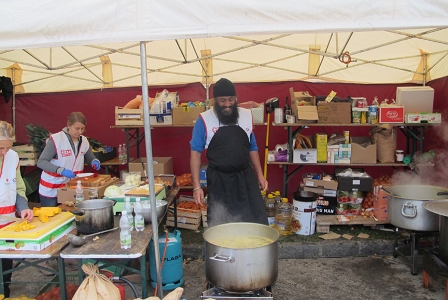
(439,207)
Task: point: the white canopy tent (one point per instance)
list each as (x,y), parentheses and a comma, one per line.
(64,45)
(60,45)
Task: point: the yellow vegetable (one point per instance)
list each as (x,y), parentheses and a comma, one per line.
(43,217)
(49,211)
(23,226)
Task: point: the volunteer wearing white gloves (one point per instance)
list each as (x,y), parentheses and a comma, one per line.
(63,157)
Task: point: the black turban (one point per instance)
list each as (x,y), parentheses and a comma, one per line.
(223,88)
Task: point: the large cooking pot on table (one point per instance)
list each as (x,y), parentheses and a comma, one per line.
(95,215)
(241,257)
(440,208)
(406,206)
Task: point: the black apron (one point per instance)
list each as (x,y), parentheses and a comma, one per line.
(233,191)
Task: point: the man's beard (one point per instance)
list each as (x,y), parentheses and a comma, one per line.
(224,118)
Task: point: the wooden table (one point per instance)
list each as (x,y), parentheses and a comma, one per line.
(49,253)
(107,249)
(112,166)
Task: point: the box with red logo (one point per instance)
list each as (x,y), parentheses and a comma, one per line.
(391,114)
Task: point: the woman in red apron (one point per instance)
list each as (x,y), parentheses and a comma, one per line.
(12,190)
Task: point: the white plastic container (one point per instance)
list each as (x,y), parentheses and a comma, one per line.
(304,214)
(278,115)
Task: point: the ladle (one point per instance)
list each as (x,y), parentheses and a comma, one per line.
(389,192)
(81,240)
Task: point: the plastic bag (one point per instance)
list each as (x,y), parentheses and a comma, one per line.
(96,286)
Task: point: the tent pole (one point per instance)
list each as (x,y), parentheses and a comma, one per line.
(13,101)
(150,168)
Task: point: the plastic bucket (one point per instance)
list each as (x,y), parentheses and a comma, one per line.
(304,213)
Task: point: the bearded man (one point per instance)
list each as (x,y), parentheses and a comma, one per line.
(234,175)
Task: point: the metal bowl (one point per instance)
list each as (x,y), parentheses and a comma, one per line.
(160,209)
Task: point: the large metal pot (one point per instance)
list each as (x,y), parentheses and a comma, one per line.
(440,207)
(406,206)
(241,269)
(95,215)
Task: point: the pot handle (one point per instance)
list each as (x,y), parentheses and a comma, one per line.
(222,258)
(409,205)
(78,212)
(445,193)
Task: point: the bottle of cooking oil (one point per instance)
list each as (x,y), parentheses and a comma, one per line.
(270,209)
(283,217)
(278,198)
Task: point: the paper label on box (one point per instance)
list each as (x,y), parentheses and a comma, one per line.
(356,182)
(182,220)
(309,183)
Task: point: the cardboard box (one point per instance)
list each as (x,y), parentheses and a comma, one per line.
(326,205)
(186,115)
(305,114)
(305,156)
(415,98)
(38,244)
(127,116)
(258,114)
(163,165)
(362,154)
(68,194)
(326,184)
(303,106)
(391,114)
(334,113)
(321,145)
(381,205)
(321,191)
(160,119)
(417,118)
(363,184)
(302,98)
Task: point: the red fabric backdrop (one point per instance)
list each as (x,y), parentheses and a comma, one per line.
(51,110)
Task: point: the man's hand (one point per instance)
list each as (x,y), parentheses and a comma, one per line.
(263,183)
(198,195)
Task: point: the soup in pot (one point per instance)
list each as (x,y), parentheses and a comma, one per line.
(240,242)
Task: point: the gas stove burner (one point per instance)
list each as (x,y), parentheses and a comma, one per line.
(217,293)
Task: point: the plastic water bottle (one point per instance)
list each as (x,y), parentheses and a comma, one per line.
(79,192)
(125,235)
(125,154)
(138,219)
(283,217)
(128,208)
(120,153)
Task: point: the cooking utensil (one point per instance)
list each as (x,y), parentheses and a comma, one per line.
(241,269)
(389,191)
(144,169)
(445,193)
(78,241)
(84,175)
(160,208)
(406,210)
(92,216)
(440,207)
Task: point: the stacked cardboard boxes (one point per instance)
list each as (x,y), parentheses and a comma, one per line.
(325,186)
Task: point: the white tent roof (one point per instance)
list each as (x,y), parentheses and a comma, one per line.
(58,44)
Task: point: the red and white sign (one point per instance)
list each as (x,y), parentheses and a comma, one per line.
(391,114)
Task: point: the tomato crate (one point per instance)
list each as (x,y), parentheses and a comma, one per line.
(186,218)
